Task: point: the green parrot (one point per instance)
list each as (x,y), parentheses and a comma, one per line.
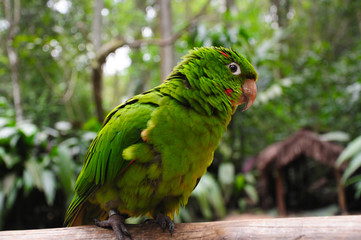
(153,149)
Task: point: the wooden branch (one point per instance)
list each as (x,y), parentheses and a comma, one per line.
(336,227)
(120,41)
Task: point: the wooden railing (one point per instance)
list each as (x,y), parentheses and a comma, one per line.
(335,227)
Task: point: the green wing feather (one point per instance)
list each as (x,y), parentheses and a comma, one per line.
(104,160)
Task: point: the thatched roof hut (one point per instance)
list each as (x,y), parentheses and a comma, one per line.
(304,142)
(278,156)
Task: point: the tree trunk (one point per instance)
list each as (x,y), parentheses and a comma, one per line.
(13,18)
(280,195)
(283,7)
(97,72)
(167,50)
(340,192)
(14,63)
(97,79)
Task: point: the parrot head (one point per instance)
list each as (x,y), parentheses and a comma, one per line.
(223,72)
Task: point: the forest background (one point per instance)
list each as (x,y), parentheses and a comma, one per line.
(65,64)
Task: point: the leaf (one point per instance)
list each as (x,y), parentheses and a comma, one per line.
(28,182)
(8,159)
(354,164)
(209,194)
(10,199)
(183,215)
(4,121)
(9,183)
(335,136)
(12,194)
(88,136)
(240,182)
(28,129)
(242,204)
(41,138)
(64,162)
(51,132)
(204,205)
(63,126)
(6,133)
(49,186)
(73,141)
(354,179)
(200,192)
(352,148)
(250,178)
(14,140)
(251,192)
(358,190)
(226,173)
(216,199)
(35,171)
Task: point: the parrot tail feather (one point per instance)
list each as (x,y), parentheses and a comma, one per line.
(75,214)
(78,218)
(82,212)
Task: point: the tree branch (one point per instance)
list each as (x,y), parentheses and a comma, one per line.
(120,41)
(335,227)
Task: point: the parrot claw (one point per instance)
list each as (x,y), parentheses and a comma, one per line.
(165,223)
(116,222)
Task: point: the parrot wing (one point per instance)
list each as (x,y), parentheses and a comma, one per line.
(104,160)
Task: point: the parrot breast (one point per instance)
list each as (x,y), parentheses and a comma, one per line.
(177,147)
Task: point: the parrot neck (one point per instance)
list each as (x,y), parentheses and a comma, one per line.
(211,102)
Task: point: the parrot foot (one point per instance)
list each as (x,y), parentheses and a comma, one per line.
(116,222)
(164,222)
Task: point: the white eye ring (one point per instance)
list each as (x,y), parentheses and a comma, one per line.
(235,68)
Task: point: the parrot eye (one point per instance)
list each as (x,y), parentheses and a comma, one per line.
(235,69)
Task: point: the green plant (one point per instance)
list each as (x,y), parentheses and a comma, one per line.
(352,154)
(245,186)
(34,159)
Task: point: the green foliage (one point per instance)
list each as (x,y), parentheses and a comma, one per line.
(209,196)
(246,184)
(226,178)
(33,158)
(215,195)
(352,155)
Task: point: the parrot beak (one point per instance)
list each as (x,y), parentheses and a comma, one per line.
(249,93)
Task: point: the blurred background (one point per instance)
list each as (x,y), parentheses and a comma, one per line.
(65,64)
